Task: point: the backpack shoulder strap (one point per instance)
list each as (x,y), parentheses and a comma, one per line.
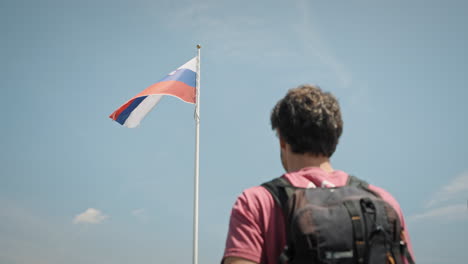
(355,181)
(276,188)
(281,190)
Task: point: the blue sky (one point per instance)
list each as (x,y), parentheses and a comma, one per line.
(76,187)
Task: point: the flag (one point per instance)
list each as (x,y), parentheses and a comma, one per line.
(180,83)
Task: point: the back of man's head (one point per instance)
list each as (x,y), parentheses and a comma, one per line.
(309,120)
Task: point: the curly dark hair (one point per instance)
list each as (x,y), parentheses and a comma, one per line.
(309,120)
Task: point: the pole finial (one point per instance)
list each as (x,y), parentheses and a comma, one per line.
(198,46)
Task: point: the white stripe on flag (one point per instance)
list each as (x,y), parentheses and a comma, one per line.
(191,65)
(142,109)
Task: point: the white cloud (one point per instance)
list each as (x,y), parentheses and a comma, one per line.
(451,212)
(317,46)
(140,214)
(449,194)
(90,216)
(452,190)
(249,37)
(230,35)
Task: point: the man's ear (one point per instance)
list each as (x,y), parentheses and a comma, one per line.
(282,142)
(281,139)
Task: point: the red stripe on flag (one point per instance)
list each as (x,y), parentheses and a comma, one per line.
(176,88)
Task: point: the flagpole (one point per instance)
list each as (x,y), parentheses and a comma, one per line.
(197,148)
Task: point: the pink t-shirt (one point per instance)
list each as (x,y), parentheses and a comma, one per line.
(256,229)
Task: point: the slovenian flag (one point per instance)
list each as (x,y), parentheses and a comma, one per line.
(180,83)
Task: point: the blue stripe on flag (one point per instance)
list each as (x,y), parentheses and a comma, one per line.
(125,113)
(183,75)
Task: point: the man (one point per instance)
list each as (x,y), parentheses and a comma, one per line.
(308,124)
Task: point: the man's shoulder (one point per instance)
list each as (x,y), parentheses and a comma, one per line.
(254,204)
(255,194)
(384,194)
(388,197)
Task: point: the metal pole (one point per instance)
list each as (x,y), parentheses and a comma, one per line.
(197,148)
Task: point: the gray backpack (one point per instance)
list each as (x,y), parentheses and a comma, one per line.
(348,224)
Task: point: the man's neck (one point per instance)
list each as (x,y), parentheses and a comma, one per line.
(296,162)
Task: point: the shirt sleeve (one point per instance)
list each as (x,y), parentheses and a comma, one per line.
(244,239)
